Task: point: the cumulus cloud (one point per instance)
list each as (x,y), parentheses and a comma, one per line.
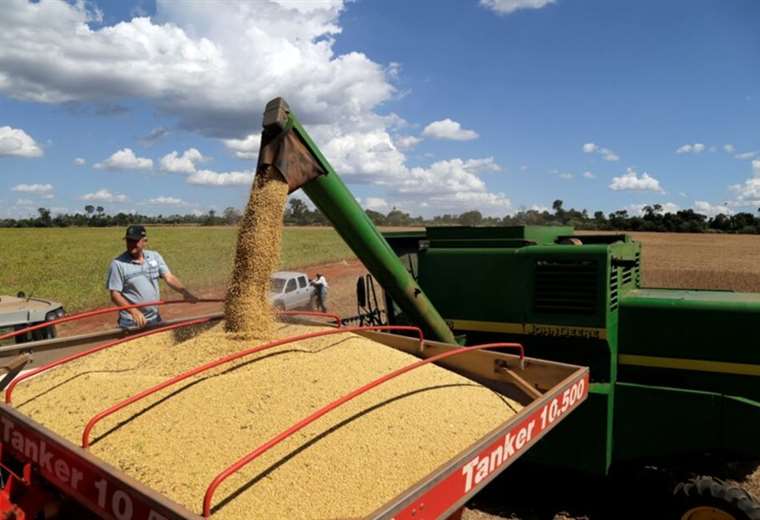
(24,202)
(212,178)
(185,163)
(510,6)
(705,208)
(606,153)
(448,129)
(632,181)
(167,201)
(407,142)
(589,175)
(729,148)
(566,176)
(213,66)
(104,195)
(247,148)
(376,204)
(14,141)
(38,189)
(125,159)
(665,207)
(746,155)
(695,148)
(79,161)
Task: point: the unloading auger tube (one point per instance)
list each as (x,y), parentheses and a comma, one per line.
(287,148)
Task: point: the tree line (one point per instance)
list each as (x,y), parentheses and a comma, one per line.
(652,218)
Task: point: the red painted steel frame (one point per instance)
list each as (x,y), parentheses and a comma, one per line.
(9,390)
(232,357)
(335,404)
(104,310)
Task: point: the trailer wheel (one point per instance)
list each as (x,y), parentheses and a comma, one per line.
(709,498)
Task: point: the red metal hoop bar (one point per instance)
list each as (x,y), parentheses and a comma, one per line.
(103,310)
(226,359)
(72,357)
(234,468)
(334,316)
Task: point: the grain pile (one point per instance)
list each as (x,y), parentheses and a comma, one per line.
(247,310)
(179,440)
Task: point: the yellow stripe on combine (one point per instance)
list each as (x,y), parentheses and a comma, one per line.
(536,329)
(690,364)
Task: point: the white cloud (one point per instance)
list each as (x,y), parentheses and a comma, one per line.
(407,142)
(376,204)
(589,175)
(510,6)
(746,155)
(79,161)
(213,65)
(104,195)
(566,176)
(756,168)
(167,201)
(247,148)
(448,129)
(185,163)
(211,178)
(665,207)
(14,141)
(125,159)
(24,202)
(705,208)
(631,181)
(683,194)
(729,148)
(749,191)
(38,189)
(606,153)
(691,148)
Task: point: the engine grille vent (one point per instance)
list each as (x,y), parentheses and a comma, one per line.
(613,289)
(568,287)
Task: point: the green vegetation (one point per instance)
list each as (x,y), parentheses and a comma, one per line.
(69,265)
(652,218)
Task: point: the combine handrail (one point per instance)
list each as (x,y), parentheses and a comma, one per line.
(103,310)
(335,404)
(103,346)
(336,317)
(226,359)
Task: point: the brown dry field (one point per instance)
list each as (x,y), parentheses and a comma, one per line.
(700,261)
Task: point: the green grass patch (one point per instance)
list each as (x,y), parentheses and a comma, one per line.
(70,264)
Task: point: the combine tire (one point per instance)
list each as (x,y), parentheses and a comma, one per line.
(709,498)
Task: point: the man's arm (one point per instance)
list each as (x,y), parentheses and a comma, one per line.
(174,282)
(120,300)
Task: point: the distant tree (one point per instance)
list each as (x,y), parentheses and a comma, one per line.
(90,209)
(100,210)
(231,215)
(470,218)
(376,217)
(44,219)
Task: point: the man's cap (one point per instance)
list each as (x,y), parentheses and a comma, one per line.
(135,232)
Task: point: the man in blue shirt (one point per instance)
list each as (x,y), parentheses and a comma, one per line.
(133,278)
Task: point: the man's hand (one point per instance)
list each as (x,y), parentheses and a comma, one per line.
(139,317)
(189,296)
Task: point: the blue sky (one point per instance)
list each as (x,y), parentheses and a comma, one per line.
(432,107)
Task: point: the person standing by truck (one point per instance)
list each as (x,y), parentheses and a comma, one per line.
(320,290)
(133,278)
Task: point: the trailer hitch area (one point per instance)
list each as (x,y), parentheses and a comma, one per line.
(283,150)
(503,365)
(22,499)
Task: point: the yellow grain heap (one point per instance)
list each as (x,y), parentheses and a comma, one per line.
(247,310)
(346,465)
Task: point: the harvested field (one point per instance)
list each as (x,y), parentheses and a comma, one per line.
(700,261)
(212,420)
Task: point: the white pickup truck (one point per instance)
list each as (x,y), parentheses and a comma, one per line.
(291,290)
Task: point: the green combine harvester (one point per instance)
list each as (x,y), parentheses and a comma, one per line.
(675,373)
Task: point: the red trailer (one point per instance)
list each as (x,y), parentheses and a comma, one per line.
(45,475)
